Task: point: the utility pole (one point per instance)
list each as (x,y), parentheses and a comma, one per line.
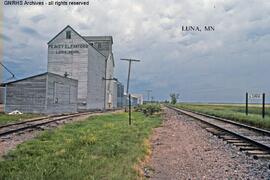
(129,68)
(1,74)
(128,95)
(148,94)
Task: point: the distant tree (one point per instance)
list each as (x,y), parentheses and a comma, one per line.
(174,98)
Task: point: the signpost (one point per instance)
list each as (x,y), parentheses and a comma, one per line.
(256,96)
(263,105)
(246,103)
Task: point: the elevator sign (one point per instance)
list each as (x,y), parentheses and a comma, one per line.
(255,96)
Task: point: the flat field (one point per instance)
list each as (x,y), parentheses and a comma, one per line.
(101,147)
(234,112)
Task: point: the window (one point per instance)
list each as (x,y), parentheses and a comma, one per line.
(68,34)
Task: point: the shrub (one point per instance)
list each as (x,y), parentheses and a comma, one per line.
(148,109)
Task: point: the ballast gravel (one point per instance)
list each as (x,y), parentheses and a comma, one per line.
(182,149)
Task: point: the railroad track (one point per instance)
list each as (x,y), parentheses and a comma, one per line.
(36,123)
(254,141)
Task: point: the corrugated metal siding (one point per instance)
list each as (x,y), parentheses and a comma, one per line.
(2,95)
(75,65)
(61,95)
(88,66)
(96,85)
(39,94)
(27,95)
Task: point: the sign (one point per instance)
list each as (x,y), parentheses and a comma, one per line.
(255,96)
(68,46)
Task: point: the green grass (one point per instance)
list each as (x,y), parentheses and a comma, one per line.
(5,118)
(102,147)
(233,112)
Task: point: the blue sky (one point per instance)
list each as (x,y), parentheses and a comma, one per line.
(217,66)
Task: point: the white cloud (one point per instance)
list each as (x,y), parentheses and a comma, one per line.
(172,60)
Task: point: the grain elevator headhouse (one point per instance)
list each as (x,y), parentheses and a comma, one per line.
(89,59)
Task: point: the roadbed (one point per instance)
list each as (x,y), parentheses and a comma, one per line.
(182,149)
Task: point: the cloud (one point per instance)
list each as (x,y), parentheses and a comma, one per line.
(5,38)
(38,18)
(202,66)
(31,32)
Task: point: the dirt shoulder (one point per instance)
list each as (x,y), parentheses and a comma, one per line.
(181,149)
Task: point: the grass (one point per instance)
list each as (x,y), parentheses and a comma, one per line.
(102,147)
(233,112)
(5,118)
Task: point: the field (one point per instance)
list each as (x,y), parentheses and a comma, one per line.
(5,118)
(102,147)
(234,112)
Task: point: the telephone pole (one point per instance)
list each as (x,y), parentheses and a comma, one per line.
(1,74)
(129,68)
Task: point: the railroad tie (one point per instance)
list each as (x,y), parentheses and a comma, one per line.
(257,152)
(233,141)
(262,156)
(214,131)
(248,148)
(241,144)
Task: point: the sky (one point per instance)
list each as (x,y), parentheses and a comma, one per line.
(214,66)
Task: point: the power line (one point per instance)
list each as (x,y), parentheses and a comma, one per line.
(12,74)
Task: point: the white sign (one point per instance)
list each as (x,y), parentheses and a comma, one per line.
(255,96)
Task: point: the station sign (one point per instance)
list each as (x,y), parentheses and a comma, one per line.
(255,96)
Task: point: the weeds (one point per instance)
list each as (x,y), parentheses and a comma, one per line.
(232,112)
(102,147)
(148,109)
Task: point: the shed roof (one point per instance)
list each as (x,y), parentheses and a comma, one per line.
(42,74)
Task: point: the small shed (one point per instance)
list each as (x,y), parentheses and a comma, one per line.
(45,93)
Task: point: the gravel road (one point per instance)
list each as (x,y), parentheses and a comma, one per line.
(182,149)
